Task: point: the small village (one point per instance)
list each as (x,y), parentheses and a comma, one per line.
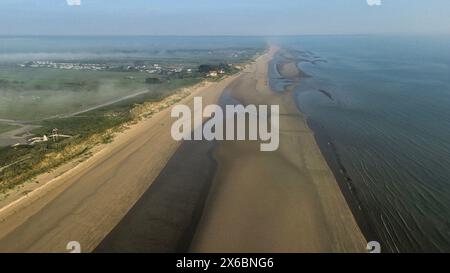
(155,68)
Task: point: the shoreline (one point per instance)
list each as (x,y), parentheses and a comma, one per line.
(286,201)
(326,145)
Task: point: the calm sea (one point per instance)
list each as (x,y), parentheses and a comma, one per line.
(383,105)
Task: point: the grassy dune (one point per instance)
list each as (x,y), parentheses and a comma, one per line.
(87,130)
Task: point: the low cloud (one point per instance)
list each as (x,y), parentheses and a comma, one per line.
(73,2)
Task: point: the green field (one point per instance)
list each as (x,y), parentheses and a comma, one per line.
(7,127)
(87,130)
(37,93)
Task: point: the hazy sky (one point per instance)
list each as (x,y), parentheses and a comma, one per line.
(227,17)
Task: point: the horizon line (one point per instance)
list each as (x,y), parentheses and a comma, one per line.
(215,35)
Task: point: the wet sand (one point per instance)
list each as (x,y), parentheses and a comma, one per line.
(290,70)
(283,201)
(165,217)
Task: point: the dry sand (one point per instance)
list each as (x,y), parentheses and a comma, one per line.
(85,203)
(283,201)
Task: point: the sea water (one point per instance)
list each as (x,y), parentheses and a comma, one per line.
(383,103)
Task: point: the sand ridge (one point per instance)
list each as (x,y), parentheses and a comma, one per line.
(283,201)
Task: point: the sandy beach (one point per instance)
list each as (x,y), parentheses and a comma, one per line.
(283,201)
(174,197)
(85,201)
